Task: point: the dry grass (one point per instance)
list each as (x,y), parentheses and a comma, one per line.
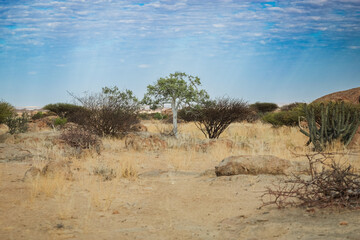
(103,183)
(48,186)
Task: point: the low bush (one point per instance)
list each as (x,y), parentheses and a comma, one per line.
(109,113)
(38,115)
(106,173)
(159,116)
(330,185)
(285,117)
(264,107)
(6,111)
(59,122)
(18,124)
(78,137)
(144,116)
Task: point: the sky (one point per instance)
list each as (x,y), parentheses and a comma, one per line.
(270,51)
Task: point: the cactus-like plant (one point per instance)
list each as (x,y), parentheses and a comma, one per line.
(333,121)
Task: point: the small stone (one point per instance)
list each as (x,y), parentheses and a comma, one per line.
(343,223)
(115,212)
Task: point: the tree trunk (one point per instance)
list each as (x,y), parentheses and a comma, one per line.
(174,111)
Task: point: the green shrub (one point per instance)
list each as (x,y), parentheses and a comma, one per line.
(64,110)
(159,116)
(285,118)
(38,115)
(59,122)
(18,124)
(263,107)
(6,111)
(144,116)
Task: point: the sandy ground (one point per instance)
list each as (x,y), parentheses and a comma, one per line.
(161,203)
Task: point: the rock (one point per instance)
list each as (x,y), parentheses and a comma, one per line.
(139,128)
(262,164)
(12,152)
(55,168)
(31,173)
(145,142)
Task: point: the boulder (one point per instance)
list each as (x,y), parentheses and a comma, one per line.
(14,152)
(254,165)
(145,142)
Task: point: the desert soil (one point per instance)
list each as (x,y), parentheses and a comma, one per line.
(161,203)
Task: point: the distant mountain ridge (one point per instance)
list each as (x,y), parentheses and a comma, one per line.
(351,95)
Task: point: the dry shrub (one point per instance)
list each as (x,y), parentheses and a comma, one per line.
(105,172)
(128,170)
(81,138)
(214,117)
(330,184)
(49,186)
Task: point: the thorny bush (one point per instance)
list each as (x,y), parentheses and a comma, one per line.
(79,137)
(330,184)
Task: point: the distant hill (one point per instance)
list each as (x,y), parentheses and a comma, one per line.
(351,95)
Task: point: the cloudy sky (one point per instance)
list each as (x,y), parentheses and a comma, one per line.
(275,51)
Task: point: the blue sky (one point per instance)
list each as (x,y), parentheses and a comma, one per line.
(274,51)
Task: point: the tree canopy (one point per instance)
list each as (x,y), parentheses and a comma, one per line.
(177,89)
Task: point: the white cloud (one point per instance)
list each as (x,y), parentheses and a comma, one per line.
(32,73)
(143,66)
(218,25)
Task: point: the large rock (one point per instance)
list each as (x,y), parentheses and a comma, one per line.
(12,152)
(145,142)
(262,164)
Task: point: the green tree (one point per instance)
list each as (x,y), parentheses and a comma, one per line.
(177,89)
(6,111)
